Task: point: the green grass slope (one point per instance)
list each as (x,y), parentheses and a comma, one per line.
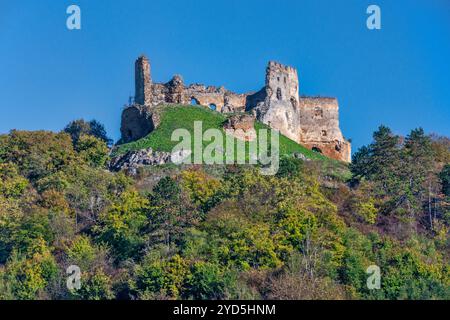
(179,116)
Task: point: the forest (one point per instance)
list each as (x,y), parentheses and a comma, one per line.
(223,232)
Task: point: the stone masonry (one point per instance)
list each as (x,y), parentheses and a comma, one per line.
(310,121)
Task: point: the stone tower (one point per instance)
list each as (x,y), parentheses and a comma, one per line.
(280,109)
(143,81)
(320,130)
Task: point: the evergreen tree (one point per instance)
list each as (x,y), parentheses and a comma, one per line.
(80,127)
(445,180)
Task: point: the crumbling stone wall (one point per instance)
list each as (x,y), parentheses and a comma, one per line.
(143,81)
(320,129)
(217,98)
(313,122)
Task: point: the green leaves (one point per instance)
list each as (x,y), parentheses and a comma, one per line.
(220,233)
(122,225)
(444,176)
(93,150)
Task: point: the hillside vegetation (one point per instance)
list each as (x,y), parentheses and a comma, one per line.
(222,232)
(183,117)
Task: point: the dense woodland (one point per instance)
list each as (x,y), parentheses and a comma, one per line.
(223,232)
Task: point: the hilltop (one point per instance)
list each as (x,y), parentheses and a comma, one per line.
(312,122)
(174,117)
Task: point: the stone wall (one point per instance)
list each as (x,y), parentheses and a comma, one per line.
(137,122)
(217,98)
(320,129)
(143,81)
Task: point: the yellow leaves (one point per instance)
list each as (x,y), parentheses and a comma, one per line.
(363,204)
(11,183)
(199,185)
(81,251)
(93,150)
(160,277)
(10,211)
(55,200)
(176,269)
(129,203)
(367,210)
(441,232)
(25,276)
(127,214)
(296,225)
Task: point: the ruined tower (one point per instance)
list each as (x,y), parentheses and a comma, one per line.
(143,81)
(280,108)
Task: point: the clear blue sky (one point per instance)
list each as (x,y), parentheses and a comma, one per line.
(398,76)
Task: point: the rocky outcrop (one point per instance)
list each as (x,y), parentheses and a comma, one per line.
(241,121)
(132,160)
(241,126)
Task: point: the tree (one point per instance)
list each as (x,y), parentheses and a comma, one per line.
(94,128)
(95,285)
(401,172)
(159,277)
(379,161)
(385,158)
(170,213)
(360,165)
(25,276)
(39,154)
(207,281)
(418,155)
(93,150)
(445,180)
(122,225)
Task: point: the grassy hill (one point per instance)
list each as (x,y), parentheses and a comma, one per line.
(179,116)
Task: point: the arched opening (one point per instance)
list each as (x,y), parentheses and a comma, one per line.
(212,106)
(324,133)
(315,149)
(194,101)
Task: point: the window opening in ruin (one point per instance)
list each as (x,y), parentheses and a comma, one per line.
(284,79)
(194,102)
(315,149)
(279,97)
(318,113)
(287,117)
(213,107)
(324,133)
(294,102)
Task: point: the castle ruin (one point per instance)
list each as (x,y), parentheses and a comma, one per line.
(310,121)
